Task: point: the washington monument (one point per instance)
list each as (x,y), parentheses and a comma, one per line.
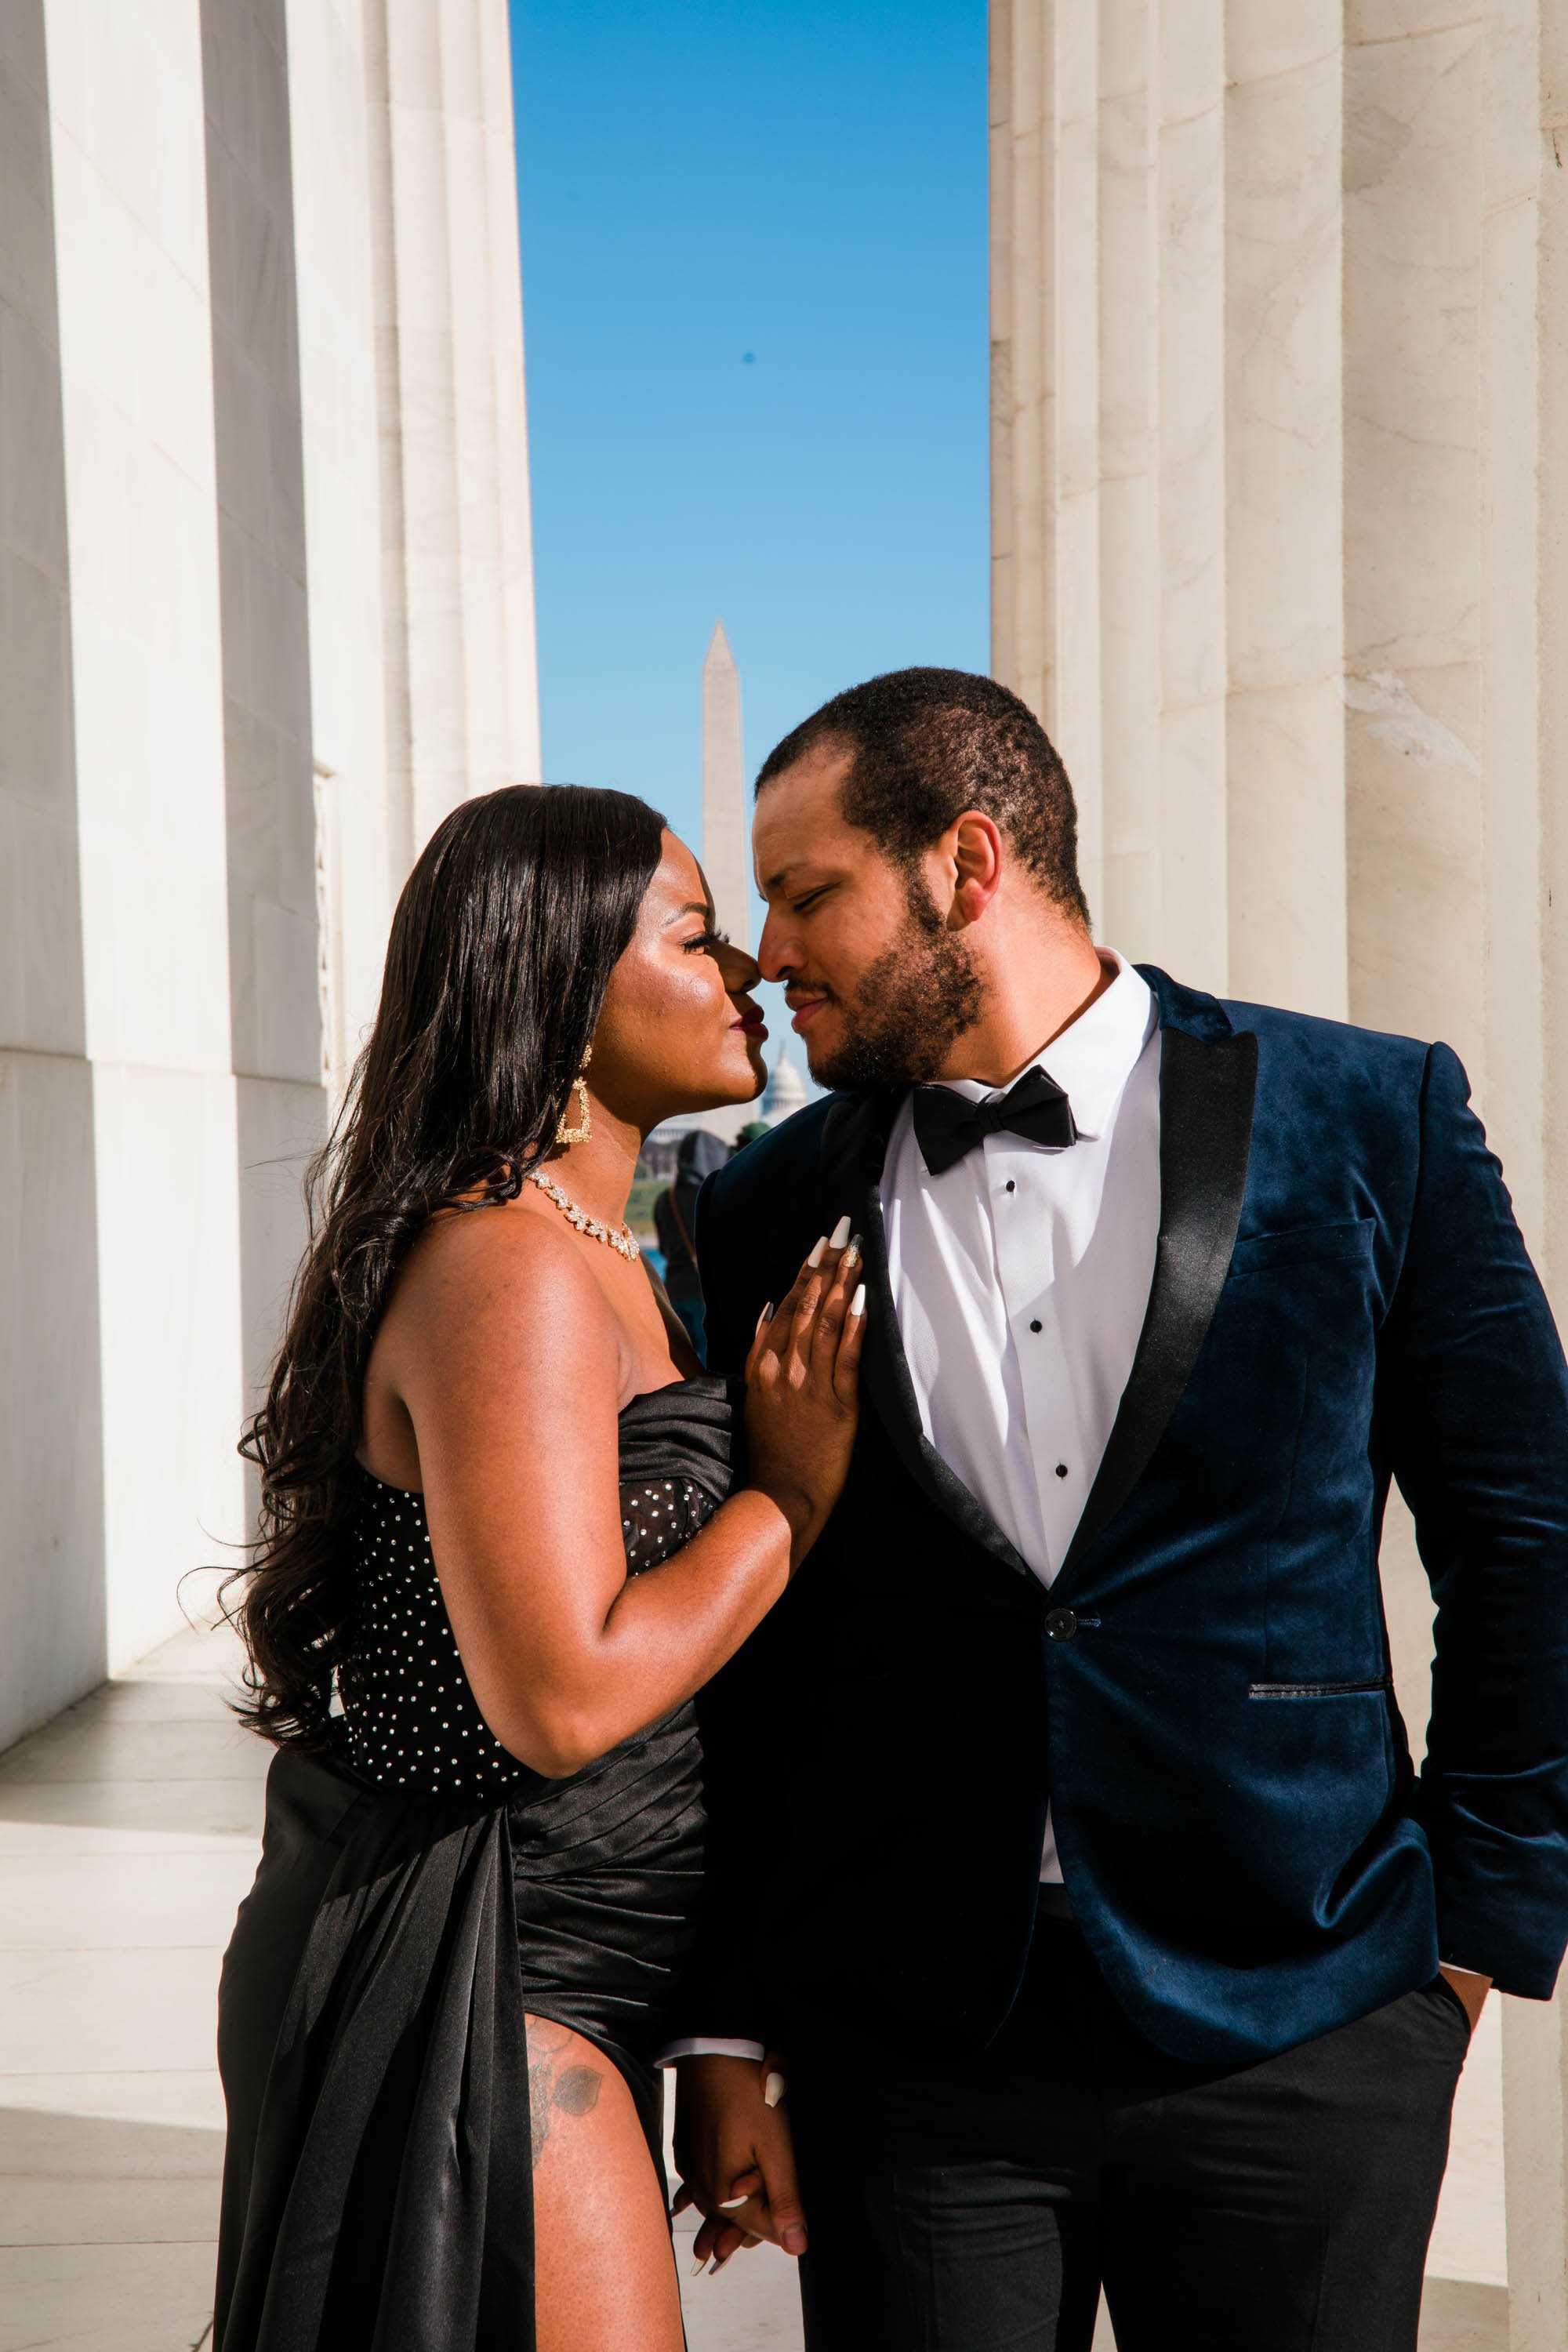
(725,847)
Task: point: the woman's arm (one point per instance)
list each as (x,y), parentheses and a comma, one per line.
(508,1359)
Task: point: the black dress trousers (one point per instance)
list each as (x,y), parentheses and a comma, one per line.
(978,2204)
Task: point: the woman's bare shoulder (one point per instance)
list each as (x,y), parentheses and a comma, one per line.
(483,1268)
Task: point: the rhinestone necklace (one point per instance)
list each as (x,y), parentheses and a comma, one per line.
(622,1240)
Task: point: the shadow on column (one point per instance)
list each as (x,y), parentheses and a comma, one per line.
(52,1598)
(274,944)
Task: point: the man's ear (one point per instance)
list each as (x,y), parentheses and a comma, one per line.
(975,850)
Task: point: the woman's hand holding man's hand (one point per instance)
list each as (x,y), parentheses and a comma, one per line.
(736,2158)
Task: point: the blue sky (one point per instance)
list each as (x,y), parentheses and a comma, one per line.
(753,248)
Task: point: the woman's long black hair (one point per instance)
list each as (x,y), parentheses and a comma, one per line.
(502,948)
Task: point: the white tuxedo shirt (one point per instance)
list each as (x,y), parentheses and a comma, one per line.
(1021,1276)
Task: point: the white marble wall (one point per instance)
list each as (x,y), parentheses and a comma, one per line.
(201,648)
(1280,419)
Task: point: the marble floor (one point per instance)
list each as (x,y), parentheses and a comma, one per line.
(128,1831)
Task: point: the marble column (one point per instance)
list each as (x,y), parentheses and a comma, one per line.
(1279,303)
(462,700)
(335,197)
(129,134)
(270,798)
(53,1593)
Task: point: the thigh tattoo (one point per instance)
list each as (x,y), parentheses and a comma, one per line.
(558,2082)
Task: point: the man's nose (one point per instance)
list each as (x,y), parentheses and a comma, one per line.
(777,953)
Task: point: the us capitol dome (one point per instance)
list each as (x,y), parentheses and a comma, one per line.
(784,1093)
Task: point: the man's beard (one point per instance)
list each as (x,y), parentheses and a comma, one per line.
(908,1010)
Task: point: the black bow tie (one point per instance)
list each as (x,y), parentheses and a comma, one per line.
(947,1126)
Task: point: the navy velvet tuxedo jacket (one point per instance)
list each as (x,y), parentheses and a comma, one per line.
(1340,1295)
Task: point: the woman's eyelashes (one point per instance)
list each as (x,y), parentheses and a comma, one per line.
(706,941)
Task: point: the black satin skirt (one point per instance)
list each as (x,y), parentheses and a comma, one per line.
(377,2191)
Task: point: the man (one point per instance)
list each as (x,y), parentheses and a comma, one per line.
(1065,1835)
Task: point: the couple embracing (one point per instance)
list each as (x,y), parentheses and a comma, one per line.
(954,1727)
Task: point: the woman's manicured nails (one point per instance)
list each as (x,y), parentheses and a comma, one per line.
(858,1303)
(817,1248)
(840,1234)
(774,2089)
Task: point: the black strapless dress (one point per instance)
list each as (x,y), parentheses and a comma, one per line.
(420,1894)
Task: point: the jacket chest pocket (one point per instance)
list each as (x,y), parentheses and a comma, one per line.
(1295,1306)
(1282,1402)
(1307,1299)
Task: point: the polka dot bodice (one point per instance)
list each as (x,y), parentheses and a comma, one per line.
(409,1714)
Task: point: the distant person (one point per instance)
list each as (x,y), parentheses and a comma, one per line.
(502,1545)
(753,1132)
(1065,1842)
(674,1217)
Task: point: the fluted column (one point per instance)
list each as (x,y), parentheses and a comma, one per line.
(1414,587)
(1282,513)
(1281,494)
(1129,399)
(128,134)
(358,812)
(1189,313)
(53,1592)
(462,703)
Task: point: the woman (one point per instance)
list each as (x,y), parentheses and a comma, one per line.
(502,1544)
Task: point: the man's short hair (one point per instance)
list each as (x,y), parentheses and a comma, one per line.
(925,745)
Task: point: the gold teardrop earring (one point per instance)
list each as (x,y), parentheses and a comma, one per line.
(564,1134)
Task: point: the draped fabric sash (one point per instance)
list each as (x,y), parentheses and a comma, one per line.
(385,2201)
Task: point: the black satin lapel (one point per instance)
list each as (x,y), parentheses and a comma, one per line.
(855,1144)
(1207,1089)
(854,1147)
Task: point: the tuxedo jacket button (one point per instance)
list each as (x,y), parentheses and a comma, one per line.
(1061,1625)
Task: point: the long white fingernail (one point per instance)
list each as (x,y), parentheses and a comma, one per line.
(816,1257)
(840,1233)
(730,2204)
(858,1303)
(774,2090)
